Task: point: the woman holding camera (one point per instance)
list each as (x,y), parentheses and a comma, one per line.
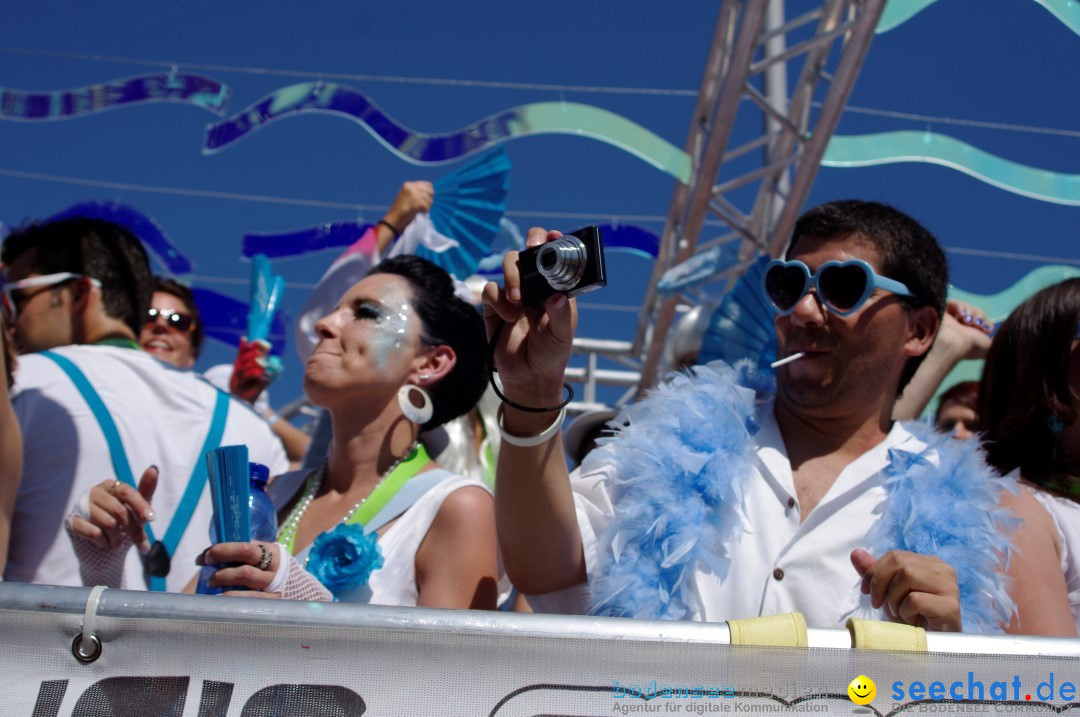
(380,522)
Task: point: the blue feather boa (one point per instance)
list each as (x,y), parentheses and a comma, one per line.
(682,465)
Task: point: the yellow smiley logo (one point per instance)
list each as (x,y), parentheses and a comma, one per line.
(862,690)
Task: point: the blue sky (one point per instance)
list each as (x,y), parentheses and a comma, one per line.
(1009,63)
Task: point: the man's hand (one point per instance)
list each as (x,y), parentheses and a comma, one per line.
(411,199)
(534,345)
(919,590)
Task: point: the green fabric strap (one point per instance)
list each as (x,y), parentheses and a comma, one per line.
(387,488)
(119,342)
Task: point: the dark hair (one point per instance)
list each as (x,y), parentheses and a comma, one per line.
(964,393)
(95,248)
(909,252)
(1025,386)
(447,320)
(171,286)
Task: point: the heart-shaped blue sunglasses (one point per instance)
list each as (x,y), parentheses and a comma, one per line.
(842,286)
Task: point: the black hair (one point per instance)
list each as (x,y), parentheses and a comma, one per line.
(447,320)
(184,293)
(1025,390)
(95,248)
(909,253)
(964,393)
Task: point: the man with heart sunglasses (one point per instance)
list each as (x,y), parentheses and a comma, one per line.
(715,502)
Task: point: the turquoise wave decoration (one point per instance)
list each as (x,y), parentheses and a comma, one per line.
(422,148)
(897,12)
(64,104)
(890,147)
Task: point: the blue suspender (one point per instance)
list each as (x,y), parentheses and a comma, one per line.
(122,468)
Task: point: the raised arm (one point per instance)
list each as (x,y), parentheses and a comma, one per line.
(10,448)
(534,505)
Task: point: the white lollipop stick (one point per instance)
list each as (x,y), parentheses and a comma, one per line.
(788,359)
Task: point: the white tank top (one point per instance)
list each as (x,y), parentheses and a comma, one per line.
(1066,516)
(395,582)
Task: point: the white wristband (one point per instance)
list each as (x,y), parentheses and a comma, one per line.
(530,441)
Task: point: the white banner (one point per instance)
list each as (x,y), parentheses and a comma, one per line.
(195,656)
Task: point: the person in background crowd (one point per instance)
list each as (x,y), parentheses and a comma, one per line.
(79,292)
(10,441)
(380,522)
(712,505)
(964,334)
(958,410)
(174,333)
(1029,410)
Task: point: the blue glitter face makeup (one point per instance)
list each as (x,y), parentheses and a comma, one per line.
(392,328)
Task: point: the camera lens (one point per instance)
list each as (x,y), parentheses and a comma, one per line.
(562,262)
(548,257)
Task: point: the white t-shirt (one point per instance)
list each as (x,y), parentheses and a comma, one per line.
(779,564)
(1066,516)
(163,416)
(221,374)
(395,582)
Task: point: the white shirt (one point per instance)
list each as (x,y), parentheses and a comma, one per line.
(1066,516)
(220,375)
(162,414)
(395,582)
(779,564)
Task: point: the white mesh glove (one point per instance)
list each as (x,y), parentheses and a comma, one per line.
(295,583)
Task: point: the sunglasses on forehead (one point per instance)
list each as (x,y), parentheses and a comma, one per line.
(842,286)
(173,319)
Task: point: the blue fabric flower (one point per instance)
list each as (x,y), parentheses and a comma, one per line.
(345,557)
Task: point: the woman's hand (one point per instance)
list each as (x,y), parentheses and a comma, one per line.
(113,512)
(915,589)
(251,565)
(534,346)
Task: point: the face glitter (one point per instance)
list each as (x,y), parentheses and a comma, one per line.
(392,329)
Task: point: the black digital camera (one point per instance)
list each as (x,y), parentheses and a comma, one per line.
(572,264)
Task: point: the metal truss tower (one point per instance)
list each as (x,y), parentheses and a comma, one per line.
(745,87)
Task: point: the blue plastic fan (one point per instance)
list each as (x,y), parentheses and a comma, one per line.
(225,319)
(742,325)
(469,202)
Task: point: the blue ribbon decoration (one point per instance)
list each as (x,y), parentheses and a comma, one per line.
(65,104)
(142,226)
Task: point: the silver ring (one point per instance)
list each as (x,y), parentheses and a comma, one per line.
(267,558)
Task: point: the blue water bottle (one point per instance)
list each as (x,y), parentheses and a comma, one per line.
(263,523)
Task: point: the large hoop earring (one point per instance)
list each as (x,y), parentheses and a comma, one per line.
(417,414)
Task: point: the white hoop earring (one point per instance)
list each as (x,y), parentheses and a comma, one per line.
(417,414)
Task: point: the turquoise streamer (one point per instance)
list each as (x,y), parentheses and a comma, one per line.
(890,147)
(897,12)
(425,149)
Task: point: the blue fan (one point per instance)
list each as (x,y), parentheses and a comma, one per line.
(469,202)
(225,319)
(742,325)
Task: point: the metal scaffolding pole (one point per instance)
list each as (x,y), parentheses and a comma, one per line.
(753,40)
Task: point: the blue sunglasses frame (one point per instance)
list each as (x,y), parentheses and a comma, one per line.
(873,281)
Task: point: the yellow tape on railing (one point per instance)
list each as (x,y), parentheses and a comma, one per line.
(879,635)
(786,630)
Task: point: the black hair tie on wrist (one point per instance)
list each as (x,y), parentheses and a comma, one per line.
(389,226)
(491,379)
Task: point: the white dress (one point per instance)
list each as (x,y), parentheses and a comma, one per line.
(395,582)
(1066,516)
